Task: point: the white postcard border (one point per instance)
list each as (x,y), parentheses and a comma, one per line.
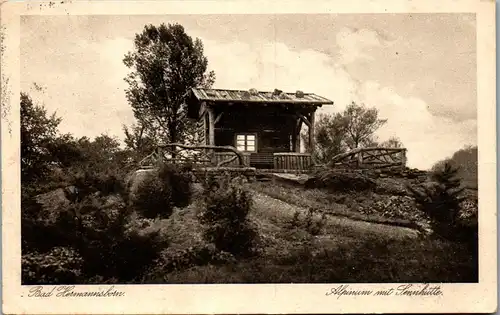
(281,298)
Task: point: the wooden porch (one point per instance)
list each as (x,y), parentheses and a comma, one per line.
(228,156)
(281,161)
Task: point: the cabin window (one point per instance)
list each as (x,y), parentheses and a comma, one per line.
(246,142)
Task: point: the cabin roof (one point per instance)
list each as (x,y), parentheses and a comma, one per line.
(254,96)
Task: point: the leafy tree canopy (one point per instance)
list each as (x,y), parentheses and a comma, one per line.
(330,132)
(393,142)
(353,128)
(139,140)
(38,133)
(360,123)
(165,64)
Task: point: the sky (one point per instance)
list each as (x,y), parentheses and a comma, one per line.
(418,70)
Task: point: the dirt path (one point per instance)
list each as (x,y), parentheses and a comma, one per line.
(280,211)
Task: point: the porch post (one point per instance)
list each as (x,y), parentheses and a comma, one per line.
(299,128)
(311,133)
(211,136)
(203,122)
(211,126)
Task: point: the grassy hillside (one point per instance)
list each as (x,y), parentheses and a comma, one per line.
(157,234)
(342,250)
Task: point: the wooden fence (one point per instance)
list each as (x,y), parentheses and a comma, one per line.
(197,155)
(292,161)
(371,158)
(225,156)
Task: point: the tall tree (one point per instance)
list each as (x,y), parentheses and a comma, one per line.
(38,132)
(361,123)
(165,64)
(330,134)
(353,128)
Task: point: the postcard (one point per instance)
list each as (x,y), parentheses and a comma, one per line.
(219,157)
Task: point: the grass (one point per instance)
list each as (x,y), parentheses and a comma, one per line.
(339,204)
(351,262)
(344,251)
(280,213)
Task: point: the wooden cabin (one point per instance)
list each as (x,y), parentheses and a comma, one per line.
(265,126)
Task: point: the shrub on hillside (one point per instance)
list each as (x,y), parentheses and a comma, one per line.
(98,230)
(227,205)
(104,182)
(441,200)
(466,159)
(60,265)
(112,247)
(181,260)
(160,191)
(43,228)
(153,198)
(313,224)
(179,178)
(361,260)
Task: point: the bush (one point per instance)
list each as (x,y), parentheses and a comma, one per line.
(371,260)
(43,228)
(311,223)
(162,190)
(181,260)
(441,201)
(106,183)
(153,198)
(98,229)
(60,265)
(179,178)
(111,246)
(227,205)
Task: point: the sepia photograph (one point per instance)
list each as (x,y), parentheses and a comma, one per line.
(248,148)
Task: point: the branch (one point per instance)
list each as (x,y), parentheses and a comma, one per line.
(221,163)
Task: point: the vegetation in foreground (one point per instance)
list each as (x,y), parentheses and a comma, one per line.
(226,233)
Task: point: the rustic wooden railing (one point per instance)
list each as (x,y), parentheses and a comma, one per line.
(230,158)
(292,161)
(371,158)
(198,155)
